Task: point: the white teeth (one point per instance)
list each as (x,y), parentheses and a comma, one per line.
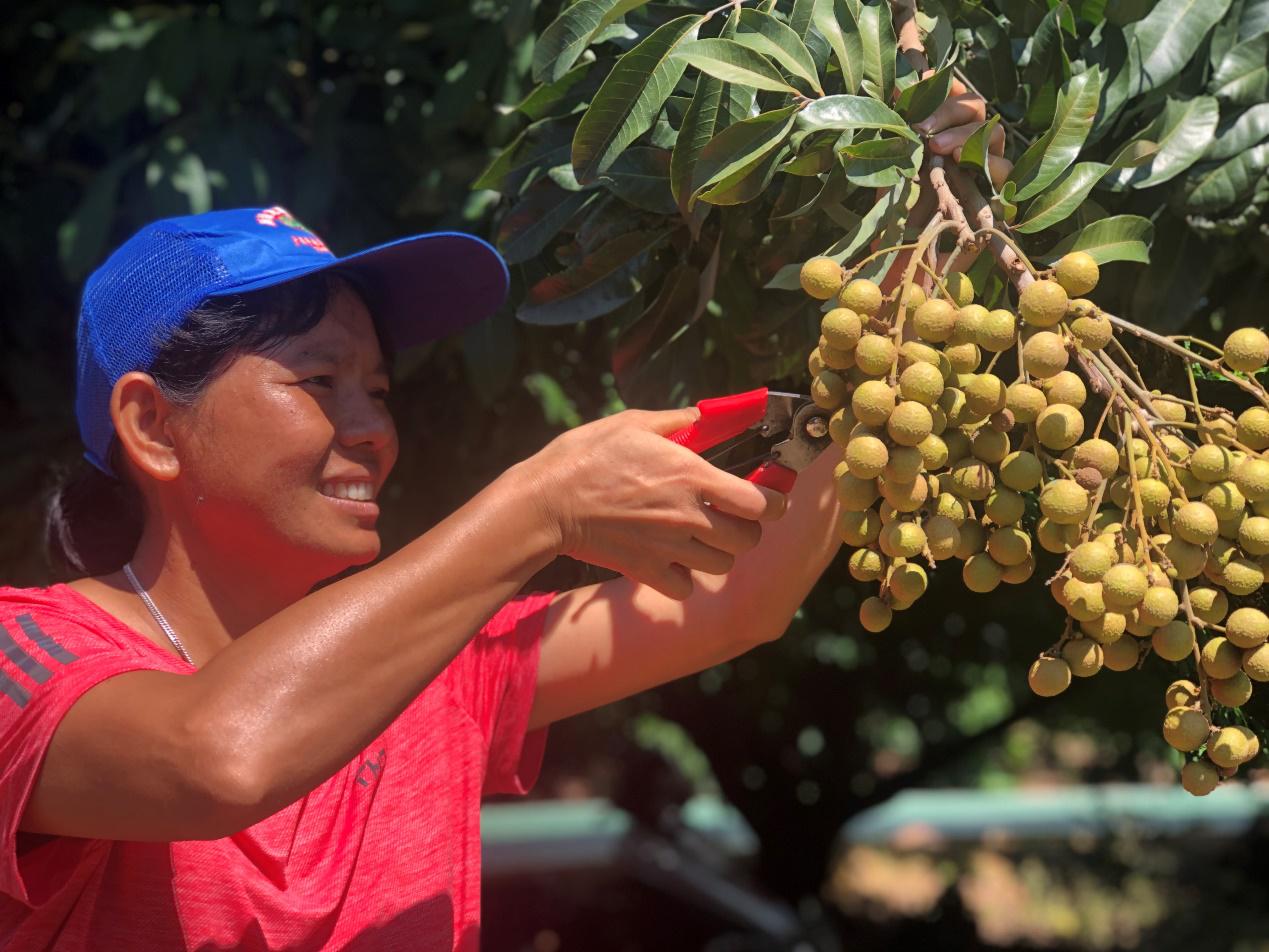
(361,492)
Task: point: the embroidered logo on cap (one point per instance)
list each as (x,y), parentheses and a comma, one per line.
(277,215)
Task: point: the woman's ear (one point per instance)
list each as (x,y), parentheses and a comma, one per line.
(141,416)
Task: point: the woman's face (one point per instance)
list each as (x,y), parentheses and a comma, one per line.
(283,456)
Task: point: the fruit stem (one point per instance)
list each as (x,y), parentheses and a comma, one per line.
(1197,340)
(1205,701)
(1138,513)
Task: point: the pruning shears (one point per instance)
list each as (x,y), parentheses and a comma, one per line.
(788,429)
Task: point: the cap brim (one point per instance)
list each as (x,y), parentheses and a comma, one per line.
(422,287)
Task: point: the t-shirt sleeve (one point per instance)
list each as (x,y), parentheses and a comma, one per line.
(42,674)
(497,682)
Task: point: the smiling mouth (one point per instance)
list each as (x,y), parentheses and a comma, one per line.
(357,492)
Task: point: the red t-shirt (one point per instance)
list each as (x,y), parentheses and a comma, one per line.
(384,855)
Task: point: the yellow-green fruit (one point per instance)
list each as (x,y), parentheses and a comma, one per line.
(1063,501)
(904,464)
(1247,627)
(951,506)
(1025,402)
(913,296)
(1105,629)
(1221,658)
(1017,574)
(942,537)
(1136,627)
(1199,778)
(1159,606)
(1218,432)
(921,382)
(957,444)
(1044,355)
(905,497)
(981,573)
(1119,490)
(1181,693)
(1173,641)
(1256,662)
(1210,605)
(934,320)
(1004,507)
(821,278)
(1228,748)
(1084,601)
(1121,654)
(1185,729)
(1059,427)
(1077,272)
(858,528)
(1169,410)
(907,539)
(842,328)
(874,615)
(1083,656)
(997,330)
(840,424)
(989,445)
(1093,331)
(1196,523)
(933,452)
(1049,677)
(1155,496)
(855,493)
(1091,560)
(835,359)
(828,389)
(960,287)
(861,296)
(866,456)
(1008,546)
(971,479)
(1220,554)
(1100,454)
(1252,478)
(1124,587)
(1042,303)
(909,423)
(1247,349)
(1187,558)
(1211,463)
(985,394)
(1242,576)
(964,358)
(866,565)
(1253,535)
(973,539)
(1021,471)
(1065,387)
(1252,429)
(875,354)
(1056,537)
(952,403)
(872,402)
(815,363)
(1225,500)
(1234,691)
(907,582)
(969,321)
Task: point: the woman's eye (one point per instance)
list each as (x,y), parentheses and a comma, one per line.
(322,380)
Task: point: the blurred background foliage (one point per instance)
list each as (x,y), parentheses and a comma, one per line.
(371,120)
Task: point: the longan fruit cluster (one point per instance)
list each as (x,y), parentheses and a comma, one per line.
(1158,507)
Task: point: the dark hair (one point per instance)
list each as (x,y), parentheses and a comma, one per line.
(94,521)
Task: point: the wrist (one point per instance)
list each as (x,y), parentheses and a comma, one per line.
(528,494)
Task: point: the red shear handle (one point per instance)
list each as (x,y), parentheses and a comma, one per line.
(722,418)
(775,476)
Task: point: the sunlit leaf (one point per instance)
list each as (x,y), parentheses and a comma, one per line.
(1118,238)
(733,62)
(1053,152)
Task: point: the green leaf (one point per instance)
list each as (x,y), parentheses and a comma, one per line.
(837,22)
(919,100)
(1163,43)
(1118,238)
(1182,131)
(699,126)
(601,282)
(768,36)
(1214,188)
(548,99)
(536,219)
(853,112)
(673,302)
(1254,20)
(800,18)
(733,62)
(630,98)
(1243,75)
(881,163)
(641,177)
(1063,198)
(567,37)
(1247,130)
(876,29)
(728,163)
(974,151)
(1053,152)
(539,147)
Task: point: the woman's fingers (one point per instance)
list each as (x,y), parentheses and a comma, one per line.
(951,141)
(728,533)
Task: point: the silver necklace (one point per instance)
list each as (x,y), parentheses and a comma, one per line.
(154,610)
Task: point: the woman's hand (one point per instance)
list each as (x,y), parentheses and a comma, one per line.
(952,123)
(624,497)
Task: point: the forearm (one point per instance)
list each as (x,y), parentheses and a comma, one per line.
(296,698)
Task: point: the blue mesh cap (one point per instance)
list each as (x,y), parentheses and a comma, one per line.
(423,287)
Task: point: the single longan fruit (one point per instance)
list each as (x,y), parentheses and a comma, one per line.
(1159,606)
(1094,331)
(942,536)
(1169,410)
(1083,656)
(1077,272)
(1065,387)
(973,539)
(1106,629)
(821,278)
(1004,507)
(1121,654)
(969,321)
(1195,522)
(861,296)
(1252,428)
(1044,355)
(1056,537)
(1228,748)
(908,582)
(872,402)
(1025,402)
(1187,558)
(842,328)
(1185,729)
(1199,778)
(934,453)
(1155,496)
(1210,605)
(997,331)
(1124,586)
(1063,501)
(875,354)
(1233,691)
(934,320)
(1253,535)
(921,382)
(1059,427)
(953,507)
(1218,432)
(906,539)
(1256,662)
(1049,677)
(874,615)
(1226,501)
(989,445)
(828,390)
(905,497)
(1242,576)
(1251,476)
(972,479)
(866,456)
(1091,560)
(858,528)
(985,394)
(1043,303)
(981,573)
(1173,641)
(964,358)
(1083,601)
(1221,658)
(1017,574)
(1247,627)
(856,493)
(960,287)
(1181,693)
(1247,349)
(1021,471)
(1008,546)
(866,565)
(815,363)
(1211,463)
(909,423)
(904,465)
(1100,454)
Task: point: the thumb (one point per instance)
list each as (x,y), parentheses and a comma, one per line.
(666,422)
